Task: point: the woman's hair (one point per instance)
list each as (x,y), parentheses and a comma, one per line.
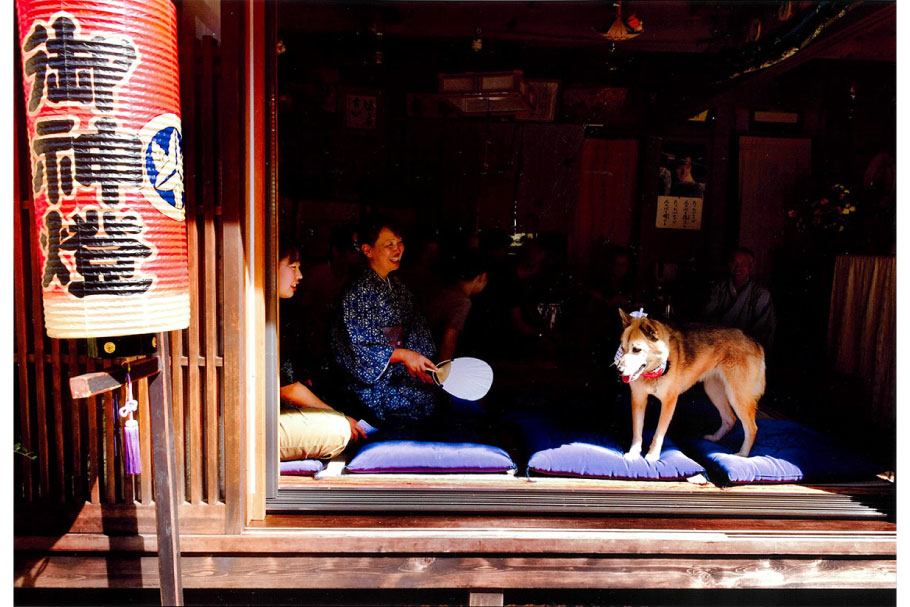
(369,229)
(287,248)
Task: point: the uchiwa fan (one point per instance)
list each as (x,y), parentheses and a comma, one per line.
(466,378)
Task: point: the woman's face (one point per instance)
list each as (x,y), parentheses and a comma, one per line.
(385,254)
(288,277)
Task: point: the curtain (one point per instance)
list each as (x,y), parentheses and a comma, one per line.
(861,328)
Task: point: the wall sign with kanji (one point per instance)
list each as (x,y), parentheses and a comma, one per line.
(103,113)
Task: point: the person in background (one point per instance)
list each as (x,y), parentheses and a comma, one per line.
(739,302)
(421,271)
(323,285)
(326,280)
(448,311)
(530,333)
(381,342)
(307,426)
(616,289)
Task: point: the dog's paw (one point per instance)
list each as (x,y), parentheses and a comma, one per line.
(631,454)
(652,457)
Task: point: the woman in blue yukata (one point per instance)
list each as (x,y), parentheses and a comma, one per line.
(381,341)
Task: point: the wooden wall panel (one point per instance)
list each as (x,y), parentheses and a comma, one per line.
(24,429)
(773,173)
(607,196)
(210,352)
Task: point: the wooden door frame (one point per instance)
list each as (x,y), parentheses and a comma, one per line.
(255,221)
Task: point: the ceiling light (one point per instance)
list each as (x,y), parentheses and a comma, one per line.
(487,92)
(621,29)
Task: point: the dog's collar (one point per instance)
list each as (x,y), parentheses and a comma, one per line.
(663,368)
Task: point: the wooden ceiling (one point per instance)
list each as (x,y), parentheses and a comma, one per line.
(687,54)
(669,26)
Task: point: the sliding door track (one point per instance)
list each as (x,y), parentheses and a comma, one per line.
(555,501)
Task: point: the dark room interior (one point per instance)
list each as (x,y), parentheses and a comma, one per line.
(777,103)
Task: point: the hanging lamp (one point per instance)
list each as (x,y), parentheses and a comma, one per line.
(621,29)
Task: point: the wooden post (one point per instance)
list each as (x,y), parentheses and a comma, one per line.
(484,599)
(165,493)
(168,530)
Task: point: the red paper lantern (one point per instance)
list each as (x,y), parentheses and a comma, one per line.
(102,102)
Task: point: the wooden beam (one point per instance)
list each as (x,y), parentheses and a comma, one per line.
(648,537)
(169,565)
(816,49)
(92,384)
(78,521)
(254,193)
(468,572)
(234,376)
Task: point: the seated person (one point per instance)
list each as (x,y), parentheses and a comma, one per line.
(449,309)
(323,285)
(530,332)
(740,302)
(616,288)
(308,428)
(382,343)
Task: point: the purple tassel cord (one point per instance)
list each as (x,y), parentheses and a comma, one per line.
(131,445)
(131,431)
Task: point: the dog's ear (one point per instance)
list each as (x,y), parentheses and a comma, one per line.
(626,319)
(648,329)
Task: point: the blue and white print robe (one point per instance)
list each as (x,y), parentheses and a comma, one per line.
(372,308)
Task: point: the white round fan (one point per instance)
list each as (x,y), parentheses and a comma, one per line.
(466,378)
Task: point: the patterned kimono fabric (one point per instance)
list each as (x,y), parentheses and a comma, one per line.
(377,315)
(749,309)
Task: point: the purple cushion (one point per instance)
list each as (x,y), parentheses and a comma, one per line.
(784,452)
(558,449)
(403,456)
(302,467)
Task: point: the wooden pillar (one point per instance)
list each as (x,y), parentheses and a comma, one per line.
(485,599)
(165,473)
(168,529)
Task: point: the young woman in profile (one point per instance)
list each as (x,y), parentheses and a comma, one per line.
(308,428)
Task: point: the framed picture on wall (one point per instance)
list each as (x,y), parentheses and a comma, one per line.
(681,175)
(360,109)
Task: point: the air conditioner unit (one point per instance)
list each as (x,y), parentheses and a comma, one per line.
(487,92)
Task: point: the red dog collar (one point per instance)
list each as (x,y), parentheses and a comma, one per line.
(651,374)
(656,372)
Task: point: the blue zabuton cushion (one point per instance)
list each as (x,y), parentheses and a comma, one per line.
(560,450)
(405,456)
(302,467)
(784,452)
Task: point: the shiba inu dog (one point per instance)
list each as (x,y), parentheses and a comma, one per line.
(654,358)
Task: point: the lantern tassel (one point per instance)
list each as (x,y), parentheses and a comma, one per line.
(131,445)
(131,436)
(131,429)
